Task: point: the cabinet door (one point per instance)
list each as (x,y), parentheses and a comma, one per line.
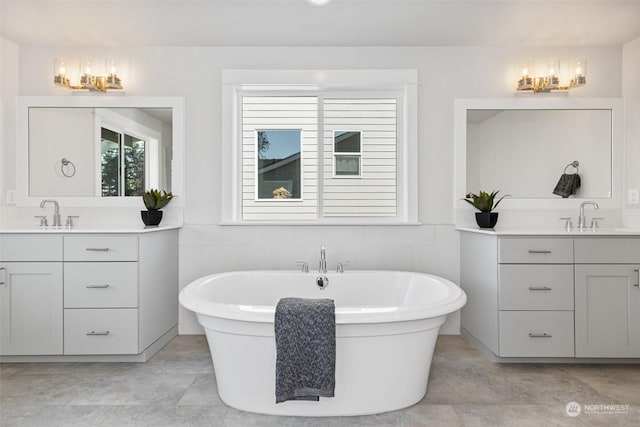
(607,311)
(31,308)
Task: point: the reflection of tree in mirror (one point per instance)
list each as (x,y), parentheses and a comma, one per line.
(110,172)
(134,170)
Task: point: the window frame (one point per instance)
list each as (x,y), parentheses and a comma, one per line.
(330,84)
(337,154)
(257,172)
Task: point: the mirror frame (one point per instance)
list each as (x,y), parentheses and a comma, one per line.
(24,103)
(616,105)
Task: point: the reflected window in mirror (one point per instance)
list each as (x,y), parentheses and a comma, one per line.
(129,157)
(111,143)
(123,162)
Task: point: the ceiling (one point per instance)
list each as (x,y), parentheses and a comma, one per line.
(340,23)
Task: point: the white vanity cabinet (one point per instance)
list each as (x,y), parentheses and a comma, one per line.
(607,297)
(101,294)
(535,297)
(88,296)
(30,295)
(556,297)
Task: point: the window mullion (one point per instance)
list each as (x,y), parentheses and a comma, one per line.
(320,136)
(122,172)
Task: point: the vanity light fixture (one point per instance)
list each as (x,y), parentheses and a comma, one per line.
(85,77)
(551,81)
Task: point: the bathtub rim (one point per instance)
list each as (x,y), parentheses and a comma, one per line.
(344,315)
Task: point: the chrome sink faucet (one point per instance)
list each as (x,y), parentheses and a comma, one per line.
(56,213)
(322,268)
(582,219)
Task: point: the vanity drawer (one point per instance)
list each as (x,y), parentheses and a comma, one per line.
(100,247)
(30,247)
(609,251)
(535,251)
(100,284)
(536,287)
(536,334)
(101,331)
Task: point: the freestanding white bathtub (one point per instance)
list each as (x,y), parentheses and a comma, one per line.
(386,328)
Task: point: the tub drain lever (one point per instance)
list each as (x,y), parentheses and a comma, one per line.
(322,282)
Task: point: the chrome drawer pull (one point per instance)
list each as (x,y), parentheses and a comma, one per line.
(637,284)
(3,270)
(94,333)
(542,251)
(97,286)
(97,249)
(545,335)
(539,288)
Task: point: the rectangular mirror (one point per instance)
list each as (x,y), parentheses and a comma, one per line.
(522,147)
(99,152)
(87,151)
(525,152)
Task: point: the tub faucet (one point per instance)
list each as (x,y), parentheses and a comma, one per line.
(322,268)
(56,213)
(582,219)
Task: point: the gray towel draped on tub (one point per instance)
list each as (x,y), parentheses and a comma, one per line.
(305,331)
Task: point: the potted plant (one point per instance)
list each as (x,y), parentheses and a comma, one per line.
(485,203)
(154,200)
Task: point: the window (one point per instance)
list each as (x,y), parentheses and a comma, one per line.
(362,181)
(347,155)
(279,164)
(279,156)
(304,153)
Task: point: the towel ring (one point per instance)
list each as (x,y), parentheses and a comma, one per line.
(67,168)
(575,164)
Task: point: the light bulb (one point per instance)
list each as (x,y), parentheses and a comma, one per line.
(318,2)
(111,66)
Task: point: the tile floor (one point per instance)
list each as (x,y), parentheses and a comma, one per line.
(177,388)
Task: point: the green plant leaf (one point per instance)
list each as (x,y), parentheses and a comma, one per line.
(484,201)
(155,200)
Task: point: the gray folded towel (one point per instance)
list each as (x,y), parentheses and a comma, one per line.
(305,331)
(567,185)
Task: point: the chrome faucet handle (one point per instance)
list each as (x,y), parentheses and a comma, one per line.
(43,220)
(69,223)
(340,266)
(304,266)
(568,223)
(594,223)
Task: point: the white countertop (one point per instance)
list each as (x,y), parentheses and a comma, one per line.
(110,229)
(552,231)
